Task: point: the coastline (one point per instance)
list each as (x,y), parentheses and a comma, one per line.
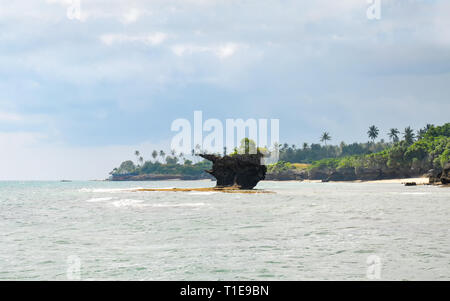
(418,181)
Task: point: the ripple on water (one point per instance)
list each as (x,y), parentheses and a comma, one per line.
(300,232)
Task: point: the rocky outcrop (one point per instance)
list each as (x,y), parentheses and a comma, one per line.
(445,176)
(435,176)
(290,175)
(241,171)
(362,173)
(440,176)
(319,173)
(343,174)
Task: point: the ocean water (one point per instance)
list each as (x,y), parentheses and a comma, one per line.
(303,231)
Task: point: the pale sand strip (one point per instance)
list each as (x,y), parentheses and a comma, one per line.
(206,189)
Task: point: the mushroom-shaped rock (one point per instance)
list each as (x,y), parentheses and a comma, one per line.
(243,171)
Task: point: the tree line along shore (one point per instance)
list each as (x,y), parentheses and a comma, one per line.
(408,154)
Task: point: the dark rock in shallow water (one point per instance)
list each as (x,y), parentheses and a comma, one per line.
(242,171)
(411,184)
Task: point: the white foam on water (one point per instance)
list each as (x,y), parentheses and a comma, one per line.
(140,204)
(162,205)
(128,203)
(94,200)
(415,193)
(109,190)
(203,193)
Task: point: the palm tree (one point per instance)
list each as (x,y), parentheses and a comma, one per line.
(154,154)
(373,132)
(393,134)
(305,145)
(137,154)
(325,137)
(408,135)
(421,133)
(181,156)
(198,148)
(162,154)
(141,160)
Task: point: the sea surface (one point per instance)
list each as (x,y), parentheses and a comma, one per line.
(303,231)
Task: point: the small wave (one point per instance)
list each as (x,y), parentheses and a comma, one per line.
(177,205)
(203,193)
(140,204)
(128,203)
(94,200)
(415,193)
(109,190)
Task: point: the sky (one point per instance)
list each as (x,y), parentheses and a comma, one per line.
(81,90)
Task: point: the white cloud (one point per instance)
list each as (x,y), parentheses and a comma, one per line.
(221,51)
(10,117)
(131,16)
(226,50)
(147,39)
(21,119)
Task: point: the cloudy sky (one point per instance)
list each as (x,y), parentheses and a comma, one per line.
(80,90)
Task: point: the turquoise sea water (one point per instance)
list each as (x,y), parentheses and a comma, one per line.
(304,231)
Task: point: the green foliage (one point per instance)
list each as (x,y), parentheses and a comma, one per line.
(171,160)
(436,131)
(325,137)
(248,146)
(279,167)
(316,152)
(126,167)
(393,134)
(330,163)
(409,135)
(432,151)
(373,132)
(171,167)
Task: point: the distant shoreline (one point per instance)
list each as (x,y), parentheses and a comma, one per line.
(417,180)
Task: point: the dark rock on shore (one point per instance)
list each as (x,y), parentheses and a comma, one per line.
(440,176)
(363,174)
(434,176)
(343,174)
(445,176)
(242,171)
(291,175)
